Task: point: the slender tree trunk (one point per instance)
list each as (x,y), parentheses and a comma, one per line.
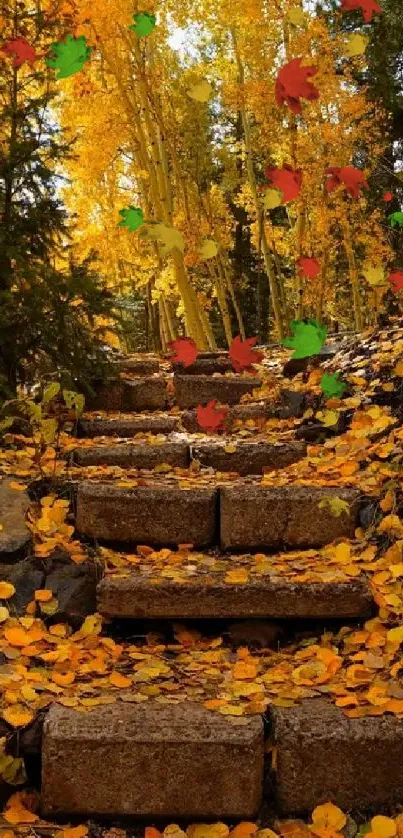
(268,262)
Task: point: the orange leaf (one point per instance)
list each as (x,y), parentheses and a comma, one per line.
(17,715)
(118,680)
(7,590)
(43,595)
(63,679)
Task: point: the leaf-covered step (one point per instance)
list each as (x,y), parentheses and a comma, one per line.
(128,426)
(192,390)
(322,755)
(142,393)
(247,457)
(143,455)
(239,457)
(151,760)
(294,515)
(183,584)
(155,514)
(240,516)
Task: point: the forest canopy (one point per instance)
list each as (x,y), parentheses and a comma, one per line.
(211,169)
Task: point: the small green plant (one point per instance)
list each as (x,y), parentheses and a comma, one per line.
(43,416)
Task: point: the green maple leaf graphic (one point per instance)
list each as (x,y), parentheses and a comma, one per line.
(308,338)
(331,385)
(144,23)
(396,219)
(69,56)
(132,218)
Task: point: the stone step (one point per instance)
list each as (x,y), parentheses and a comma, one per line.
(241,457)
(191,390)
(151,760)
(258,516)
(161,423)
(323,755)
(205,366)
(139,364)
(142,393)
(247,457)
(143,455)
(239,517)
(159,514)
(186,585)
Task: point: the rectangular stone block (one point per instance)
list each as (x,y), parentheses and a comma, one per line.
(205,366)
(249,457)
(140,364)
(143,455)
(256,516)
(137,597)
(191,390)
(151,760)
(237,413)
(160,514)
(144,393)
(323,755)
(147,423)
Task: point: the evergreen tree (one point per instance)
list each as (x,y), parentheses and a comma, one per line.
(48,303)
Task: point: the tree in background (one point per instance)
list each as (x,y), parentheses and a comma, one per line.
(49,301)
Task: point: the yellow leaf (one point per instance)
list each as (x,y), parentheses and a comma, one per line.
(296,17)
(395,635)
(383,826)
(398,370)
(200,92)
(238,576)
(209,249)
(230,448)
(7,590)
(328,417)
(4,613)
(19,487)
(375,275)
(272,198)
(356,44)
(91,625)
(17,715)
(329,816)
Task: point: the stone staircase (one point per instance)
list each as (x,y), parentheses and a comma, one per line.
(166,758)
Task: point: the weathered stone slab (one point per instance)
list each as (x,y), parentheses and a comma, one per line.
(160,515)
(143,393)
(27,576)
(15,537)
(151,760)
(191,390)
(269,517)
(147,423)
(238,412)
(141,455)
(249,457)
(140,365)
(205,366)
(137,597)
(323,755)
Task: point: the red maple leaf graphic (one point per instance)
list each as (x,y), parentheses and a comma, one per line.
(396,280)
(242,355)
(292,85)
(287,180)
(308,266)
(351,177)
(21,50)
(186,351)
(369,8)
(387,196)
(211,418)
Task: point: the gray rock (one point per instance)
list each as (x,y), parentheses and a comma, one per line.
(15,537)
